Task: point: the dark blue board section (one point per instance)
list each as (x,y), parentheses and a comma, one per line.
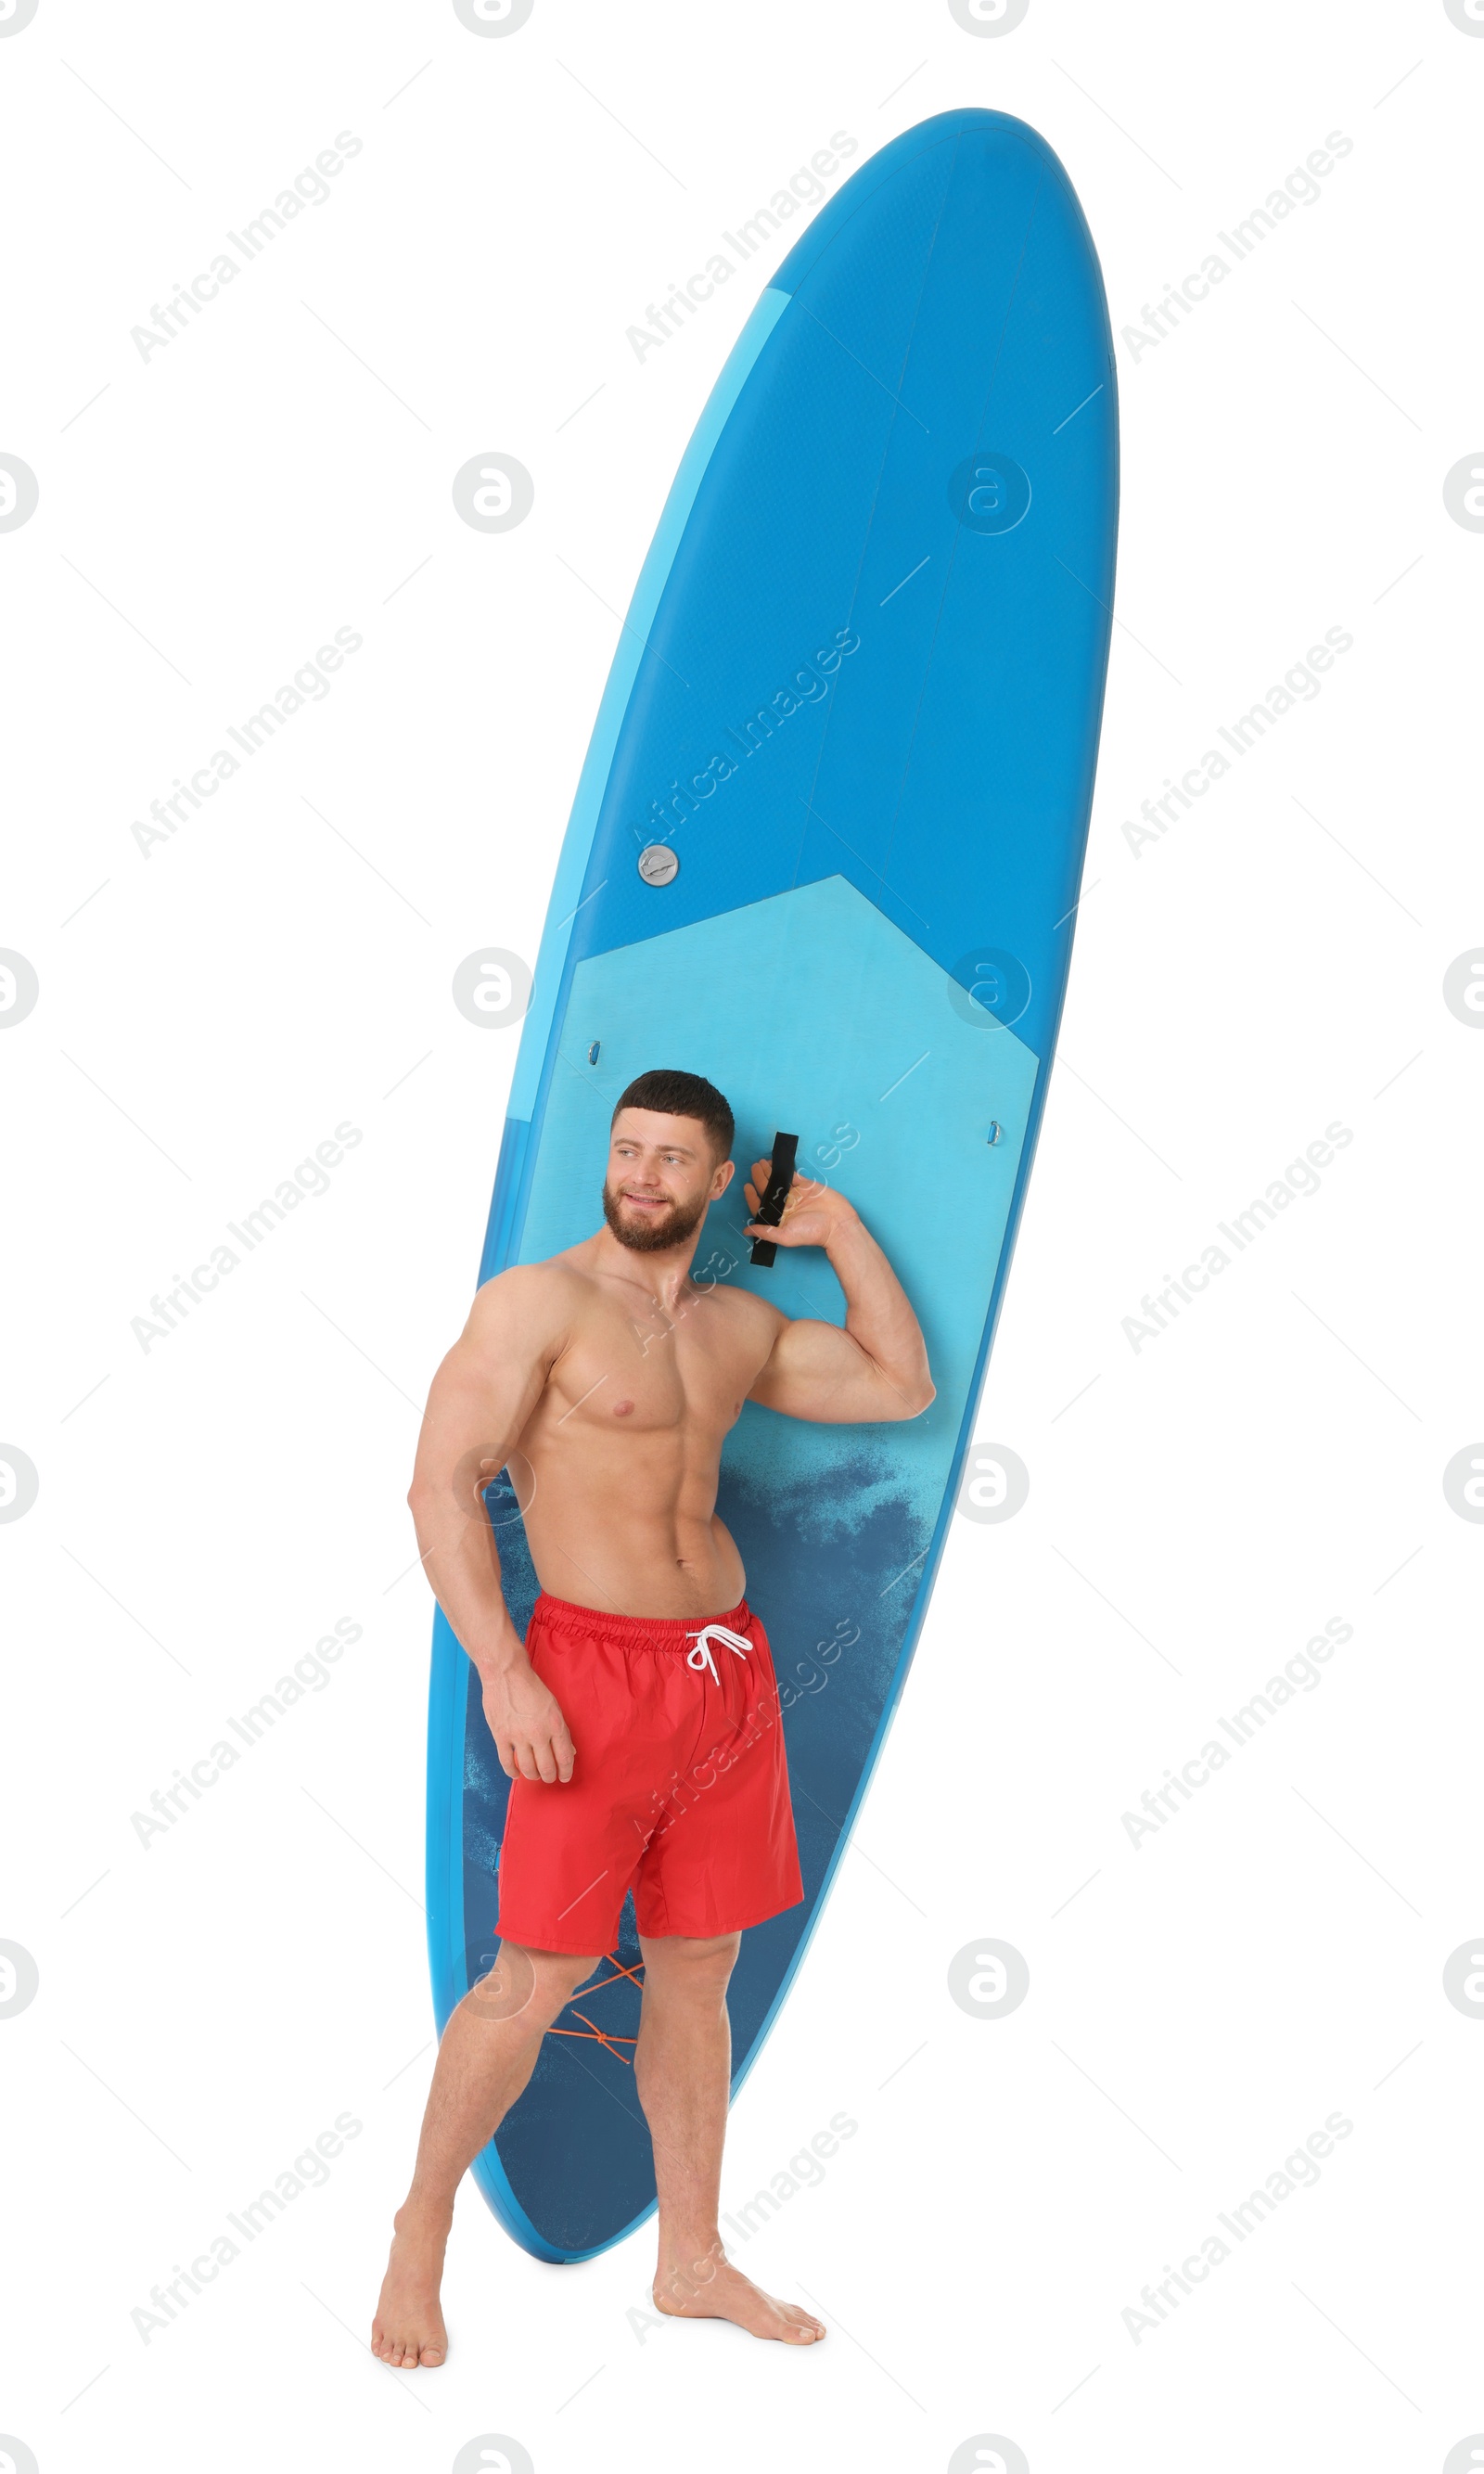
(859,695)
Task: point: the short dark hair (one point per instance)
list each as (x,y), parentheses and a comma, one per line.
(670,1093)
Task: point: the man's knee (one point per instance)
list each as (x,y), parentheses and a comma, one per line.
(684,1961)
(527,1983)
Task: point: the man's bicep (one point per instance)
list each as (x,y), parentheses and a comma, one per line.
(816,1371)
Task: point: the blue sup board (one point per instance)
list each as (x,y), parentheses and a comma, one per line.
(826,849)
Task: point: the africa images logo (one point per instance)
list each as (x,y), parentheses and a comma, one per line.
(809,684)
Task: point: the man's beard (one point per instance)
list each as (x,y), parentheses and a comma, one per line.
(651,1235)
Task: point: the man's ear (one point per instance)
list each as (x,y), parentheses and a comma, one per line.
(725,1171)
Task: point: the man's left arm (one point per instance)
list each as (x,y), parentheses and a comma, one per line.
(877,1367)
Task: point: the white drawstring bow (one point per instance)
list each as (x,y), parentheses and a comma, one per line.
(701,1657)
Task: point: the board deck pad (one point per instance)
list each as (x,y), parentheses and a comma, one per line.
(858,697)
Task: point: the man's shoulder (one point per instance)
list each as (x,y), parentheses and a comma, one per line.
(530,1291)
(744,1306)
(557,1271)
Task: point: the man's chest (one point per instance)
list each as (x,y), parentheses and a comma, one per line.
(639,1366)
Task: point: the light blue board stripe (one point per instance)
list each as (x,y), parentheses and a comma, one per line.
(444,1842)
(578,843)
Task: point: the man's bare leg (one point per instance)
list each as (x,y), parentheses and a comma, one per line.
(682,2069)
(487,2054)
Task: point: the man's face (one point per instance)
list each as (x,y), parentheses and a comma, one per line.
(661,1176)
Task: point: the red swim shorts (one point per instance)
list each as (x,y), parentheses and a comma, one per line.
(680,1789)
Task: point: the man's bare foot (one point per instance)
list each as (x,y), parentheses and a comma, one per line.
(407,2332)
(711,2288)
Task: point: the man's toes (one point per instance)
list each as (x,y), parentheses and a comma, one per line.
(431,2356)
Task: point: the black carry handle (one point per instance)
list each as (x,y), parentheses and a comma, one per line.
(769,1210)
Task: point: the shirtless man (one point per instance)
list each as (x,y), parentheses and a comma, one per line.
(606,1380)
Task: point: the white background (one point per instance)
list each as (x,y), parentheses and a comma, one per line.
(1199,1507)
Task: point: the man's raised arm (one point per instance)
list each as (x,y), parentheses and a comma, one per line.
(876,1368)
(478,1406)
